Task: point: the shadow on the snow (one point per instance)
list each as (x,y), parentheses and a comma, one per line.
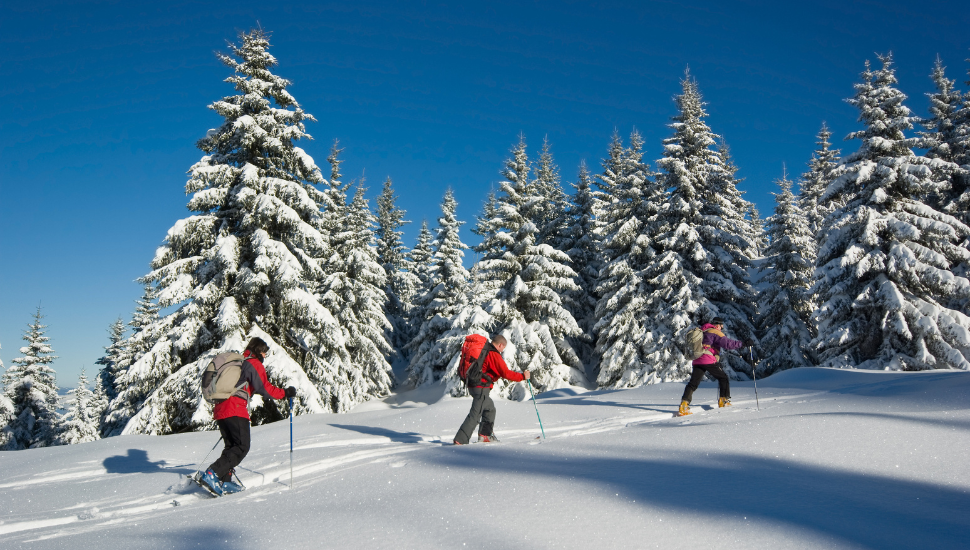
(136,462)
(668,408)
(397,437)
(938,422)
(864,509)
(211,538)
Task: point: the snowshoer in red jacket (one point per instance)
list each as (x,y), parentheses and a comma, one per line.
(483,408)
(714,341)
(232,416)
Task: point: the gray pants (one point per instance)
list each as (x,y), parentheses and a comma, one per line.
(482,409)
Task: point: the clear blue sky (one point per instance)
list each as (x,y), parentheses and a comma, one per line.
(104,101)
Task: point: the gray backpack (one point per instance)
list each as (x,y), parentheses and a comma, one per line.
(694,343)
(220,379)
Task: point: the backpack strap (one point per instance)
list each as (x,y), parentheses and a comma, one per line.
(479,365)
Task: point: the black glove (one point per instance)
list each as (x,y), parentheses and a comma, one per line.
(749,343)
(291,391)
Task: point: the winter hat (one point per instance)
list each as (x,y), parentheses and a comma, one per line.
(717,321)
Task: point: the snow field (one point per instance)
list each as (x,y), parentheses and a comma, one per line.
(834,459)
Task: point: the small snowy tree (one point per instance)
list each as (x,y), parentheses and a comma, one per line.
(6,415)
(392,255)
(115,359)
(947,137)
(81,423)
(31,387)
(583,249)
(552,206)
(822,169)
(785,307)
(884,269)
(431,352)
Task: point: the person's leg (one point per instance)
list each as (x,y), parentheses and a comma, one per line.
(488,415)
(696,376)
(468,426)
(235,432)
(723,382)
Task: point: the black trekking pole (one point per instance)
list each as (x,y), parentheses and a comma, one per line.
(755,376)
(199,467)
(291,443)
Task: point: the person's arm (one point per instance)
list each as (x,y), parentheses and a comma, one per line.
(259,383)
(727,343)
(498,363)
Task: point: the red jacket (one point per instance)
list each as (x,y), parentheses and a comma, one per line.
(254,374)
(495,368)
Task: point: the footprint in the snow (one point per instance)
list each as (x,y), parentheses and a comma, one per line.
(398,464)
(686,422)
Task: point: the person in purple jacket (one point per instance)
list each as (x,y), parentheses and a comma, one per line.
(714,342)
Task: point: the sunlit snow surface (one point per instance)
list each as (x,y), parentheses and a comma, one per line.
(834,459)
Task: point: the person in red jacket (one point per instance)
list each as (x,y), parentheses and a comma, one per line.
(232,416)
(714,341)
(483,408)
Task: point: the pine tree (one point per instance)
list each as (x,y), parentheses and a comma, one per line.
(392,255)
(531,278)
(353,290)
(946,138)
(583,249)
(822,170)
(884,269)
(243,263)
(80,424)
(625,222)
(6,415)
(785,305)
(701,270)
(31,387)
(431,351)
(116,357)
(550,217)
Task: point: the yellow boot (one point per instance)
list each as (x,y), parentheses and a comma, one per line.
(684,409)
(723,402)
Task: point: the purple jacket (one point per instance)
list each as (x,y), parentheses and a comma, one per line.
(714,340)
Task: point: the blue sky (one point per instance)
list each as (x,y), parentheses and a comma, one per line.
(104,101)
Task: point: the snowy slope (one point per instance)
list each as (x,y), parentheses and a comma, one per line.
(834,459)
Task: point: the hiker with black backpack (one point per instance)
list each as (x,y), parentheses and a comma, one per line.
(232,416)
(713,342)
(480,371)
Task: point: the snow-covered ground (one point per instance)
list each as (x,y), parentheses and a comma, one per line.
(834,459)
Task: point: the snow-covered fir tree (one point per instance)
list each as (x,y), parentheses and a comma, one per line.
(31,387)
(822,170)
(241,265)
(354,291)
(402,283)
(421,257)
(884,269)
(947,137)
(6,415)
(738,216)
(550,217)
(583,249)
(531,279)
(785,306)
(433,348)
(702,267)
(115,359)
(81,423)
(625,222)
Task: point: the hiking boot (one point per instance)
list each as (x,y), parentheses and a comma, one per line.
(487,438)
(230,487)
(211,481)
(456,442)
(723,402)
(684,409)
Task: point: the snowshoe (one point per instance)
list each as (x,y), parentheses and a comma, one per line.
(684,409)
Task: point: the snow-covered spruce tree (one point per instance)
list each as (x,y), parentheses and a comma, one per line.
(6,415)
(947,137)
(785,306)
(551,210)
(884,269)
(583,249)
(393,257)
(624,233)
(31,387)
(531,279)
(115,359)
(702,267)
(421,257)
(354,291)
(822,170)
(240,265)
(431,350)
(738,216)
(80,425)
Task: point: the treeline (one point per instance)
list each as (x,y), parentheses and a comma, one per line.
(864,267)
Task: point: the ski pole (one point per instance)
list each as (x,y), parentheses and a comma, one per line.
(199,467)
(291,443)
(755,376)
(529,382)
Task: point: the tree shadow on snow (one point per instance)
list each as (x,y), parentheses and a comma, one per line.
(938,422)
(864,509)
(210,538)
(136,462)
(397,437)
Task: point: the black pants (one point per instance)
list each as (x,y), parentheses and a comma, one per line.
(482,408)
(723,383)
(235,433)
